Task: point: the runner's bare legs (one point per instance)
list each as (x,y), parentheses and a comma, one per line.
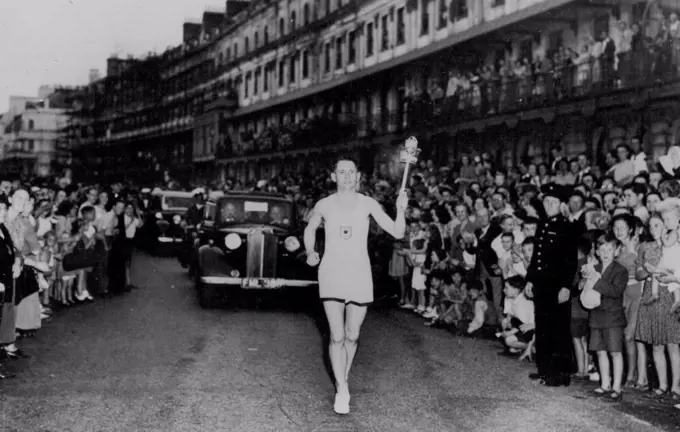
(335,314)
(345,326)
(354,318)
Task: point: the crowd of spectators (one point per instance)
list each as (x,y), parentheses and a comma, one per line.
(62,245)
(628,55)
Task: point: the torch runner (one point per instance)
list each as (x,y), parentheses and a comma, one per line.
(409,156)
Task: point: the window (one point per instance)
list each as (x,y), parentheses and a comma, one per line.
(497,3)
(401,27)
(31,125)
(327,58)
(305,14)
(305,64)
(328,7)
(555,39)
(282,27)
(369,39)
(266,35)
(267,77)
(249,77)
(526,49)
(257,40)
(459,10)
(600,25)
(246,45)
(282,70)
(256,81)
(424,17)
(31,143)
(235,50)
(291,68)
(385,39)
(292,21)
(351,47)
(443,14)
(338,53)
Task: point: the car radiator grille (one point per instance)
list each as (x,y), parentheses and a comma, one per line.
(262,254)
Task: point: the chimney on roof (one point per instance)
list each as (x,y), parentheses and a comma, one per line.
(211,21)
(234,7)
(191,31)
(94,75)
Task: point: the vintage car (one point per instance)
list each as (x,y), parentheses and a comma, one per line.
(249,241)
(163,228)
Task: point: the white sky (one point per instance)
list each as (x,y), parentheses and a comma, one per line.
(59,41)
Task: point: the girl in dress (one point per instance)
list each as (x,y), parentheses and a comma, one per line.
(667,273)
(656,325)
(624,228)
(399,270)
(417,259)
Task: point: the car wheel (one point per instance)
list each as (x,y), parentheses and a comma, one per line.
(207,297)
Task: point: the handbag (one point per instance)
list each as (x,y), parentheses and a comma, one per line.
(80,258)
(25,285)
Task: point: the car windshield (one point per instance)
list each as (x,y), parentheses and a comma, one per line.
(255,211)
(178,202)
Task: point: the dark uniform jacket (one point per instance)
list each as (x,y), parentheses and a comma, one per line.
(194,215)
(554,262)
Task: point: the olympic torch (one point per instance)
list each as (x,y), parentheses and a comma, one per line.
(409,156)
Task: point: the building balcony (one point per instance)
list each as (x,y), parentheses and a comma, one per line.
(596,79)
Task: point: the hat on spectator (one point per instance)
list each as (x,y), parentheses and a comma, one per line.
(527,188)
(556,191)
(578,193)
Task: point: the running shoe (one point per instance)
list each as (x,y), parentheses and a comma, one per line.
(341,405)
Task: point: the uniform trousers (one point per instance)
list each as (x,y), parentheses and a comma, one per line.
(553,334)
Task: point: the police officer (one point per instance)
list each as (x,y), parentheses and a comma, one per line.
(549,278)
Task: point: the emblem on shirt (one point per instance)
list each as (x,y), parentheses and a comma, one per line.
(345,231)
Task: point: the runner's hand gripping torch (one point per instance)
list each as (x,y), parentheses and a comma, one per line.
(408,155)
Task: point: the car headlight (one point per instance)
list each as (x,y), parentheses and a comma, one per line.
(292,244)
(176,219)
(232,241)
(159,215)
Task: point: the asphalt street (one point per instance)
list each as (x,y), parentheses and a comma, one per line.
(152,360)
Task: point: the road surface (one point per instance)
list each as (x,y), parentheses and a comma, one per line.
(152,360)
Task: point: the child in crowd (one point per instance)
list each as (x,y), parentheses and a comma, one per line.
(414,233)
(518,324)
(48,255)
(438,262)
(480,308)
(505,253)
(464,256)
(607,319)
(417,259)
(579,315)
(399,271)
(450,294)
(519,262)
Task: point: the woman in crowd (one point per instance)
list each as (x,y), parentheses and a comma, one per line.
(9,268)
(624,228)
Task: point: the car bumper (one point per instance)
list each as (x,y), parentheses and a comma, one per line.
(257,283)
(164,239)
